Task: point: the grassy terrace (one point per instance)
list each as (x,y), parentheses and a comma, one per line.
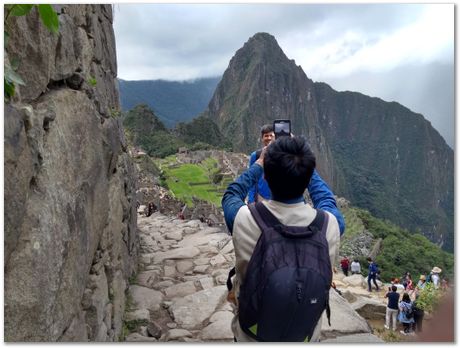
(192,180)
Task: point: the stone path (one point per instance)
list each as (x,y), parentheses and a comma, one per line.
(180,291)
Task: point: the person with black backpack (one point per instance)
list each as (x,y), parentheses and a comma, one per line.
(284,248)
(406,314)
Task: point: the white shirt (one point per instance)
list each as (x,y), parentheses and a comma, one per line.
(355,267)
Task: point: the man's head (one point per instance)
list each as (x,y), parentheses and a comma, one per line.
(288,167)
(394,288)
(267,134)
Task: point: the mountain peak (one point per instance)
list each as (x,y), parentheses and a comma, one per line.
(262,42)
(263,37)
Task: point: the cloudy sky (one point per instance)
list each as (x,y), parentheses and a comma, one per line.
(397,52)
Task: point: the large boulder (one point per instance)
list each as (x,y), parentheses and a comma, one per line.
(353,280)
(344,319)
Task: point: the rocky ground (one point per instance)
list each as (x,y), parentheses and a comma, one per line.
(179,293)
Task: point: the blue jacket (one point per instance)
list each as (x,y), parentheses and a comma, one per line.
(373,268)
(237,191)
(262,185)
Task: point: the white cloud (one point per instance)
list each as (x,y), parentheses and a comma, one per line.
(430,37)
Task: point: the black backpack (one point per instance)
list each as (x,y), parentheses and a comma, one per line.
(410,312)
(286,288)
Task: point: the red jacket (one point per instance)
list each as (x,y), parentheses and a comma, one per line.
(344,263)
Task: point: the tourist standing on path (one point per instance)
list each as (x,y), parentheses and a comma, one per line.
(421,283)
(355,267)
(435,276)
(345,264)
(373,269)
(392,307)
(289,166)
(418,315)
(399,287)
(405,307)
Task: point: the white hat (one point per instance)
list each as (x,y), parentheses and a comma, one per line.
(436,270)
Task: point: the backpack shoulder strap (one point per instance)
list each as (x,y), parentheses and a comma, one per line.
(264,217)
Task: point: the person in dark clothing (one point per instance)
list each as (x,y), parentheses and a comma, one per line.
(392,308)
(418,315)
(373,269)
(151,208)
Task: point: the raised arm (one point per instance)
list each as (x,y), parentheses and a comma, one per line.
(323,198)
(236,192)
(252,189)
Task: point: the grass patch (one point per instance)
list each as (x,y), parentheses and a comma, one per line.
(192,180)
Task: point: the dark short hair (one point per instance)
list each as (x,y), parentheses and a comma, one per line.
(369,259)
(406,297)
(288,166)
(394,288)
(266,128)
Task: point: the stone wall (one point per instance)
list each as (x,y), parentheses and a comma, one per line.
(70,241)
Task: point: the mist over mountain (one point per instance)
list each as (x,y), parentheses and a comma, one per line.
(172,101)
(380,155)
(433,99)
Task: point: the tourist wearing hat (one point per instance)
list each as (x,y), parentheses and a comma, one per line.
(435,276)
(421,283)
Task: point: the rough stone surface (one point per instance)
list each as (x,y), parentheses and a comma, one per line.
(369,308)
(182,253)
(344,320)
(138,314)
(180,290)
(137,337)
(349,296)
(175,334)
(221,315)
(192,310)
(145,298)
(154,330)
(69,182)
(353,280)
(217,331)
(357,338)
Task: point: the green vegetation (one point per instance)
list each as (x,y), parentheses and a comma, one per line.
(92,81)
(204,130)
(144,129)
(192,180)
(403,251)
(48,17)
(429,298)
(172,101)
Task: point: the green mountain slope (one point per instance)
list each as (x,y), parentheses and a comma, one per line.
(172,101)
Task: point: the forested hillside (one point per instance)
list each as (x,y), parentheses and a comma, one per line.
(172,101)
